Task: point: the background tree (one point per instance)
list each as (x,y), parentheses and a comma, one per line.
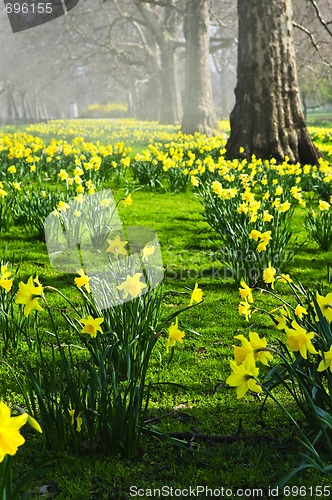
(267,119)
(198,111)
(313,37)
(163,24)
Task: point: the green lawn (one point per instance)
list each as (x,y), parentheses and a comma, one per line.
(257,445)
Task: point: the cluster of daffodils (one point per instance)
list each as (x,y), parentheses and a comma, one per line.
(318,223)
(31,158)
(31,295)
(306,327)
(132,288)
(129,130)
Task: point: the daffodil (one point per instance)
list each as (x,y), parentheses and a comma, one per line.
(147,251)
(10,437)
(325,305)
(62,206)
(299,311)
(284,207)
(82,280)
(174,335)
(127,201)
(254,235)
(105,202)
(5,282)
(196,295)
(261,247)
(245,291)
(29,295)
(285,278)
(266,236)
(216,187)
(243,377)
(16,185)
(132,285)
(326,361)
(79,420)
(71,416)
(244,309)
(63,174)
(323,205)
(116,246)
(269,275)
(282,321)
(255,346)
(299,340)
(92,325)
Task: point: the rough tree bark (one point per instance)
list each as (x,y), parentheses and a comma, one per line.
(198,113)
(267,119)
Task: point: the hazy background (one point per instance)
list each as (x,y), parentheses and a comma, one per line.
(103,59)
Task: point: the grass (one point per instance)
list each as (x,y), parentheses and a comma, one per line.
(189,394)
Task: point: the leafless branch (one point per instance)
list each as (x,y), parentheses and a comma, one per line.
(313,41)
(319,16)
(305,30)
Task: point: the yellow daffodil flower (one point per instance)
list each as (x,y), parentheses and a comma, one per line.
(245,309)
(285,278)
(325,305)
(174,335)
(243,377)
(82,280)
(196,295)
(92,325)
(326,361)
(4,281)
(116,246)
(62,206)
(10,437)
(323,205)
(282,320)
(246,292)
(299,311)
(254,235)
(132,285)
(127,201)
(29,295)
(253,347)
(299,340)
(269,275)
(147,251)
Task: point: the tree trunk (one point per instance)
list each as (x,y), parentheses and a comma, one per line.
(267,119)
(170,96)
(164,32)
(148,99)
(198,114)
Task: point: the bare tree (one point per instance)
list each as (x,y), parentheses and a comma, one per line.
(198,113)
(313,51)
(162,22)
